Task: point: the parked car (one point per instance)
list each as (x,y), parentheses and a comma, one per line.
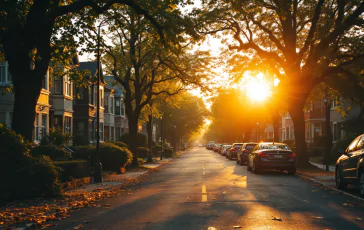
(272,155)
(216,147)
(350,165)
(210,145)
(224,149)
(233,151)
(244,152)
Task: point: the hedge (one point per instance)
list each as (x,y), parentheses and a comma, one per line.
(74,169)
(50,150)
(141,140)
(112,156)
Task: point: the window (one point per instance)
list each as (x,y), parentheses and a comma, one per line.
(2,117)
(112,105)
(122,109)
(58,121)
(43,129)
(101,131)
(37,127)
(67,124)
(106,105)
(334,131)
(274,146)
(117,107)
(68,86)
(2,72)
(58,89)
(101,98)
(90,130)
(45,82)
(80,128)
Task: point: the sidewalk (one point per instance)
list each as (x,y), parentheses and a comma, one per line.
(323,166)
(36,214)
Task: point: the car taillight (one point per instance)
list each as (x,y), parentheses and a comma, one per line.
(291,155)
(261,154)
(245,151)
(234,149)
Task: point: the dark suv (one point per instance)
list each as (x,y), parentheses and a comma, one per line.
(233,151)
(350,166)
(244,153)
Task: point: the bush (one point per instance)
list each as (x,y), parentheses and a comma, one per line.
(50,150)
(168,152)
(120,144)
(142,152)
(112,156)
(141,140)
(73,169)
(319,141)
(25,176)
(80,140)
(57,137)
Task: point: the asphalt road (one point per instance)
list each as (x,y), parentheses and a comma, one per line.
(203,190)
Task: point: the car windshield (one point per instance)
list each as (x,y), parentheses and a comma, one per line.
(274,146)
(250,146)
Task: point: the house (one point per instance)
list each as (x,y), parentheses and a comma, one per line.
(286,128)
(85,106)
(41,123)
(120,119)
(61,99)
(109,114)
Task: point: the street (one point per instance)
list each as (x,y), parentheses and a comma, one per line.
(203,190)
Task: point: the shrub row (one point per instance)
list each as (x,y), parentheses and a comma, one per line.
(25,176)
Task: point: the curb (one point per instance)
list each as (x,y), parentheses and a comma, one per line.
(331,188)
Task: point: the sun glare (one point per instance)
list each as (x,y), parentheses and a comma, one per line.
(256,88)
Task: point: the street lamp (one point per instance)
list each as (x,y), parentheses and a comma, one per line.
(98,166)
(161,139)
(328,140)
(257,132)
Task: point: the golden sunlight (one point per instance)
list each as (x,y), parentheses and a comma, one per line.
(256,88)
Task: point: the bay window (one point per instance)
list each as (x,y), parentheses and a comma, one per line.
(67,124)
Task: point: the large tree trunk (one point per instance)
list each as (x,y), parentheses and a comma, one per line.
(297,116)
(150,136)
(26,97)
(275,119)
(133,135)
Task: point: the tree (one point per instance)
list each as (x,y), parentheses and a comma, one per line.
(32,34)
(301,39)
(144,67)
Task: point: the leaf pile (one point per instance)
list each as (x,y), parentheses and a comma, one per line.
(35,214)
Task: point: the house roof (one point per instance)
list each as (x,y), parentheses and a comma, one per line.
(112,83)
(92,68)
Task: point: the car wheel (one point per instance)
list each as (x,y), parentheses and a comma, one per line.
(241,162)
(248,168)
(340,182)
(362,182)
(292,171)
(255,168)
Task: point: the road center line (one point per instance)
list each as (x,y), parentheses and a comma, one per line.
(204,194)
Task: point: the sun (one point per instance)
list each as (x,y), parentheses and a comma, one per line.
(256,88)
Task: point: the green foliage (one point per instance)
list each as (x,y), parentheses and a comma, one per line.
(80,140)
(142,152)
(73,169)
(57,137)
(112,156)
(141,140)
(52,151)
(319,141)
(120,144)
(168,152)
(25,176)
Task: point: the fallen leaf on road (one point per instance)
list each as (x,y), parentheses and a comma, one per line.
(212,228)
(276,218)
(306,201)
(358,218)
(147,222)
(107,205)
(224,192)
(78,227)
(345,204)
(318,217)
(214,198)
(237,226)
(233,182)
